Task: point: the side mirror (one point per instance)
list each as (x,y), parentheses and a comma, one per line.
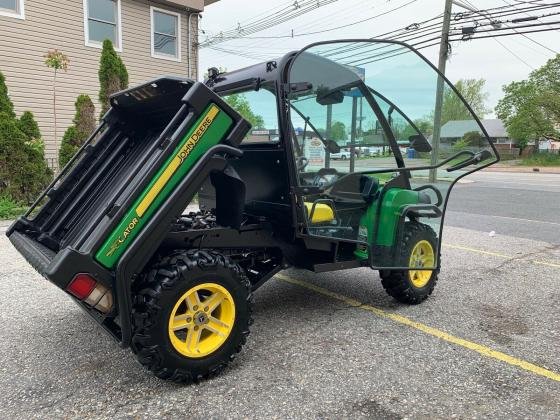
(419,143)
(332,146)
(329,97)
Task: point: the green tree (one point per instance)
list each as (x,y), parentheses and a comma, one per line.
(68,146)
(338,131)
(472,90)
(425,125)
(29,126)
(240,103)
(473,138)
(23,170)
(522,111)
(530,108)
(113,75)
(12,155)
(77,134)
(56,60)
(547,79)
(460,145)
(6,105)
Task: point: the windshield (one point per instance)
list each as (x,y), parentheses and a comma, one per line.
(381,96)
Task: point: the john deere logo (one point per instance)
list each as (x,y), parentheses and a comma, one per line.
(181,155)
(161,181)
(122,237)
(193,140)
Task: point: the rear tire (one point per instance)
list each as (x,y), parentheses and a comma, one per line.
(414,286)
(163,296)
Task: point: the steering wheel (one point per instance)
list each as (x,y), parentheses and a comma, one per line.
(321,179)
(301,162)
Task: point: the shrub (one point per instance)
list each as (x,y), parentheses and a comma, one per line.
(473,138)
(84,118)
(77,134)
(460,145)
(28,126)
(23,170)
(113,75)
(68,147)
(6,105)
(10,209)
(542,159)
(37,174)
(12,155)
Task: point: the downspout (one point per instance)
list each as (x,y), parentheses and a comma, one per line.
(189,41)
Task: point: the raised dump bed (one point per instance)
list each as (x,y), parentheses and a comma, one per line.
(136,172)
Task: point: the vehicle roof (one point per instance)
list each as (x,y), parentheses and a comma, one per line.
(252,75)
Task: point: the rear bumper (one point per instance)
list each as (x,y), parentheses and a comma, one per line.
(58,267)
(48,264)
(38,255)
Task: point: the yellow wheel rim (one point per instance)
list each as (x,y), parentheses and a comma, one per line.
(422,256)
(201,320)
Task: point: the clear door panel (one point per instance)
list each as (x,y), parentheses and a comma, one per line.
(382,138)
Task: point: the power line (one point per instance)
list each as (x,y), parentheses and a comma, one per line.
(524,35)
(497,12)
(223,37)
(298,8)
(512,53)
(533,40)
(453,37)
(353,9)
(421,35)
(505,47)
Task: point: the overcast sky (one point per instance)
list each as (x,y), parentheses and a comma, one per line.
(483,58)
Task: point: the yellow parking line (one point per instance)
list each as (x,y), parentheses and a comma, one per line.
(546,263)
(497,254)
(478,251)
(442,335)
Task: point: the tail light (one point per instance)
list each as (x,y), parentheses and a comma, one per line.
(87,289)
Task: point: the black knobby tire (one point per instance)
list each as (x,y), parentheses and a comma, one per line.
(156,293)
(397,283)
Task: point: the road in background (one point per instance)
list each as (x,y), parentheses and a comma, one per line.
(525,205)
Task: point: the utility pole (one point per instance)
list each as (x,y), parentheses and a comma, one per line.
(443,55)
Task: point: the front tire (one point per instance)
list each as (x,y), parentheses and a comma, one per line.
(418,248)
(191,315)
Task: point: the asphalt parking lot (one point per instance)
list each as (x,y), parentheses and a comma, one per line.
(486,343)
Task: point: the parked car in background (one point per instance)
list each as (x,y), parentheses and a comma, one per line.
(342,155)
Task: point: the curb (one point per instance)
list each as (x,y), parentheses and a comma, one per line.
(525,170)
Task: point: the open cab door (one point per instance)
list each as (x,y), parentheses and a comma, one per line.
(379,139)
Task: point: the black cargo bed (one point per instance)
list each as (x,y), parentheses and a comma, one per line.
(67,225)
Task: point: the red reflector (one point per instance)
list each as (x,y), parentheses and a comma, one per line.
(81,286)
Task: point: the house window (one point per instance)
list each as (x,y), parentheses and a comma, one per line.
(102,20)
(12,8)
(166,39)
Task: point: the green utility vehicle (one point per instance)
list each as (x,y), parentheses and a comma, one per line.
(176,285)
